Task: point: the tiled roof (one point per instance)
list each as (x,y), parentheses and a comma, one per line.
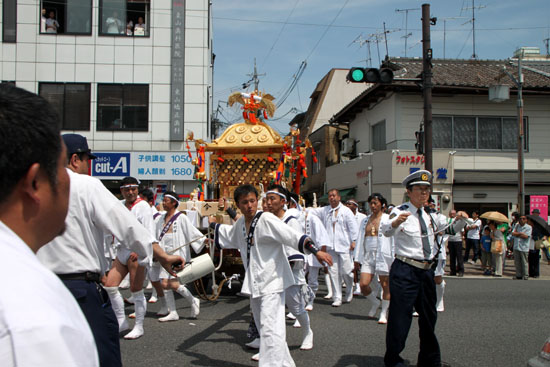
(475,73)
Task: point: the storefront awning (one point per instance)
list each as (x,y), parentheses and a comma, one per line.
(345,194)
(479,177)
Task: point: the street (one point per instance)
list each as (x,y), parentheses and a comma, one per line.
(487,322)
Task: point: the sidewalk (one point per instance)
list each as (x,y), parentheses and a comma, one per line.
(509,271)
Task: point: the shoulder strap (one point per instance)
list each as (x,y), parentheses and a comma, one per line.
(250,236)
(289,218)
(167,225)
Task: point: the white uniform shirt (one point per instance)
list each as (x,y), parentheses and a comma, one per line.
(314,229)
(407,236)
(291,220)
(342,228)
(40,322)
(183,232)
(359,219)
(94,211)
(474,233)
(269,270)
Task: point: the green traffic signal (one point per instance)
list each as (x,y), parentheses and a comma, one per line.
(357,75)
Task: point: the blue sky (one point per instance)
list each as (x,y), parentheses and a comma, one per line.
(282,34)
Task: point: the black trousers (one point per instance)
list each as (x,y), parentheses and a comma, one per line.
(96,306)
(474,245)
(411,286)
(533,259)
(456,257)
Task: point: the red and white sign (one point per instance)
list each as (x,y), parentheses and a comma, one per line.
(539,202)
(410,159)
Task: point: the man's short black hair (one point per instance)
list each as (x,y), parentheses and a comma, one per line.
(29,133)
(244,190)
(147,194)
(294,196)
(280,189)
(475,211)
(129,181)
(378,197)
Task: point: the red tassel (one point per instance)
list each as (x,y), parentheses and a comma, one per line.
(245,115)
(252,118)
(269,158)
(265,115)
(245,159)
(220,159)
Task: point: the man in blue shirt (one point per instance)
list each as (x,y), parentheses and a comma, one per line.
(522,236)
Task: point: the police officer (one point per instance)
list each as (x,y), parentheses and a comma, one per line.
(412,272)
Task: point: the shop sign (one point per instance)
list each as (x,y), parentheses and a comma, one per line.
(539,202)
(410,159)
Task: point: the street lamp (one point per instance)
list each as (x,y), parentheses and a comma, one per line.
(499,93)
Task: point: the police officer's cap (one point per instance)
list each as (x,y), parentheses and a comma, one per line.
(77,143)
(420,177)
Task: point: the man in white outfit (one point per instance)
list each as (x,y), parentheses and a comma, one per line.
(127,262)
(295,296)
(40,321)
(354,207)
(259,236)
(342,229)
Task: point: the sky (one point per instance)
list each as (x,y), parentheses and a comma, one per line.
(283,36)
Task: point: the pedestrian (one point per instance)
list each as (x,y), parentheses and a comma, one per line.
(533,258)
(341,227)
(522,236)
(412,272)
(77,257)
(374,255)
(536,233)
(174,230)
(454,243)
(486,258)
(354,207)
(260,237)
(497,247)
(472,238)
(41,323)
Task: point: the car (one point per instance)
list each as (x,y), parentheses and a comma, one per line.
(543,358)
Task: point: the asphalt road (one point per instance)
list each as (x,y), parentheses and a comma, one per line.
(487,322)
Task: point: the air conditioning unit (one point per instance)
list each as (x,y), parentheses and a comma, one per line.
(347,146)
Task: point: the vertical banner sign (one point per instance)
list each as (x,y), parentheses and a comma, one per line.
(539,202)
(177,70)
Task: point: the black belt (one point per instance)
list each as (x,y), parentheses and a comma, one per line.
(87,276)
(420,264)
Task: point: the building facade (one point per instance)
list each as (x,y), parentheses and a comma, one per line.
(133,76)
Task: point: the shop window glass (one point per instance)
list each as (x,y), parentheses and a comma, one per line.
(464,132)
(9,21)
(123,107)
(442,132)
(379,136)
(66,17)
(489,133)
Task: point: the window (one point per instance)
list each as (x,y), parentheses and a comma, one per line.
(9,21)
(66,17)
(123,107)
(124,18)
(379,136)
(71,101)
(484,133)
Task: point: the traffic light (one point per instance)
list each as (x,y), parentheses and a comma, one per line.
(419,145)
(370,75)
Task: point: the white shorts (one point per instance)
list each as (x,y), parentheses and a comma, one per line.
(368,265)
(154,272)
(440,270)
(123,254)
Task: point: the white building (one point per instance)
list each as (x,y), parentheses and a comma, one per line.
(133,76)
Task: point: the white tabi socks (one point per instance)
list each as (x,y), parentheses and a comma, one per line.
(154,297)
(193,301)
(140,304)
(440,290)
(329,286)
(375,303)
(307,333)
(163,311)
(384,312)
(118,307)
(171,312)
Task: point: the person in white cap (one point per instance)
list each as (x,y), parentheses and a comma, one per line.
(127,262)
(175,233)
(260,237)
(412,272)
(374,253)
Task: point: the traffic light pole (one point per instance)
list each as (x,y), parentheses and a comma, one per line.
(427,86)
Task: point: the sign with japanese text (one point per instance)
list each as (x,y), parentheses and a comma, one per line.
(177,70)
(539,202)
(409,159)
(143,165)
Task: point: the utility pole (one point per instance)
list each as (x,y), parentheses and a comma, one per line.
(255,76)
(546,42)
(445,30)
(427,84)
(407,34)
(521,181)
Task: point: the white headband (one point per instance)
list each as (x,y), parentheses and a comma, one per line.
(276,193)
(171,197)
(128,186)
(294,201)
(353,202)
